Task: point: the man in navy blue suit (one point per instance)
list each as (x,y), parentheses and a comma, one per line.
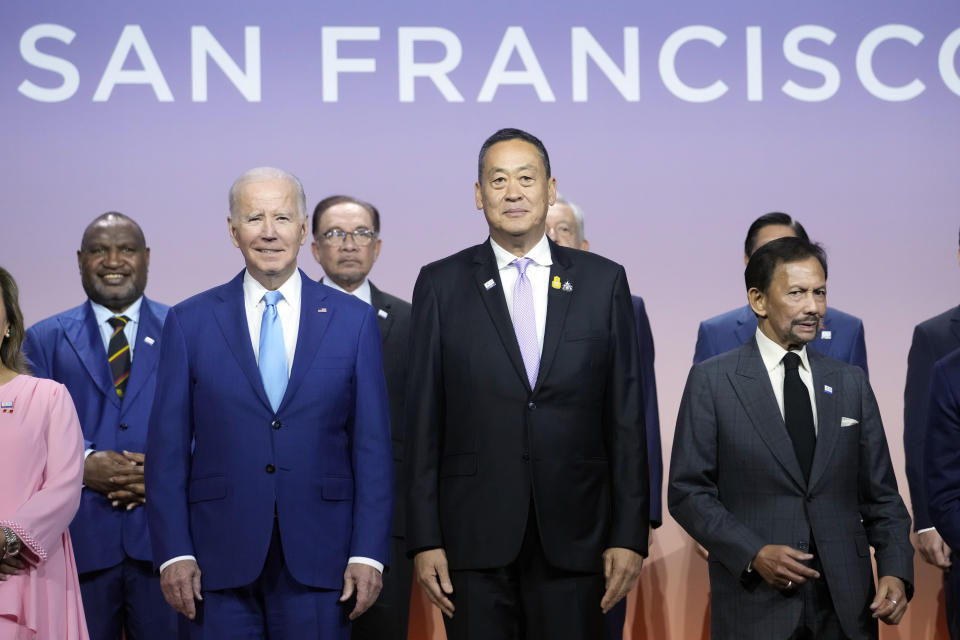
(105,353)
(932,339)
(941,471)
(270,485)
(840,335)
(565,227)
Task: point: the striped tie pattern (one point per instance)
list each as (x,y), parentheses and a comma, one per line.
(525,321)
(118,352)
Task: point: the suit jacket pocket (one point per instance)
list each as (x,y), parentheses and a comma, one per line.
(458,464)
(210,488)
(337,489)
(322,362)
(576,335)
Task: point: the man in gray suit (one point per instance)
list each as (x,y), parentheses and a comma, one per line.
(781,470)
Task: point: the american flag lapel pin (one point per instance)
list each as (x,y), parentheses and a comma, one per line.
(828,389)
(322,310)
(382,313)
(489,284)
(149,340)
(6,406)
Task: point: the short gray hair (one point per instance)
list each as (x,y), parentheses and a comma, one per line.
(577,213)
(260,174)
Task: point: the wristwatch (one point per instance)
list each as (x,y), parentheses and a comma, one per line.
(12,546)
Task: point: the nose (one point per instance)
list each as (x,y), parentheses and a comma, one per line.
(513,190)
(349,243)
(268,231)
(112,258)
(813,304)
(552,233)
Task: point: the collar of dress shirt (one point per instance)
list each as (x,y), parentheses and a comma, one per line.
(772,353)
(362,292)
(540,254)
(253,291)
(102,314)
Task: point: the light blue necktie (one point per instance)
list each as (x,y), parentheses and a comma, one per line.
(273,353)
(525,321)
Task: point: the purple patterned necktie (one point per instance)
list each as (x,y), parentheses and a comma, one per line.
(525,321)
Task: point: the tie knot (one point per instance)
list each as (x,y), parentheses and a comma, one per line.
(521,264)
(791,361)
(118,322)
(271,298)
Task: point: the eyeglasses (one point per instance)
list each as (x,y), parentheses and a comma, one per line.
(362,237)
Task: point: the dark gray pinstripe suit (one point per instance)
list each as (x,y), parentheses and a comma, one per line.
(736,485)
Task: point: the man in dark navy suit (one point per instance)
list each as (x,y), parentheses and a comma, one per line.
(105,352)
(840,335)
(565,227)
(932,340)
(346,243)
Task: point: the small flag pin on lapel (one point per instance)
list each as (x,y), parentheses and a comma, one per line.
(322,310)
(382,313)
(556,282)
(489,284)
(149,340)
(567,287)
(6,406)
(828,389)
(826,335)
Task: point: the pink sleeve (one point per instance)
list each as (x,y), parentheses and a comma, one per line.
(43,518)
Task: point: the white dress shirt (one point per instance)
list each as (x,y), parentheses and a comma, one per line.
(288,310)
(772,354)
(362,292)
(538,273)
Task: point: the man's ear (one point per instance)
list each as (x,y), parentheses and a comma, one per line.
(758,302)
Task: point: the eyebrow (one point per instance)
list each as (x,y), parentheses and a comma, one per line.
(525,167)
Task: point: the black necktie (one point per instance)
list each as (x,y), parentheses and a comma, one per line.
(118,352)
(797,413)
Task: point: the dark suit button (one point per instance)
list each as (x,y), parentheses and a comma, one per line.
(803,546)
(526,456)
(124,426)
(276,424)
(531,405)
(271,468)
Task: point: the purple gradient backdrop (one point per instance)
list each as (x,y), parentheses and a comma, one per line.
(668,186)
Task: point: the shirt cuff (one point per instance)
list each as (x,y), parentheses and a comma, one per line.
(360,560)
(86,454)
(177,559)
(927,529)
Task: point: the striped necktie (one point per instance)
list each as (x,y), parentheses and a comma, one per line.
(118,353)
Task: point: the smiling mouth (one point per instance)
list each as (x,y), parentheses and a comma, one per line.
(113,278)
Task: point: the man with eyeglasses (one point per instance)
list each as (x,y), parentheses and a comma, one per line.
(346,243)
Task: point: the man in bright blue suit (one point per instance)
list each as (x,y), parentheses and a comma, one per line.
(840,335)
(565,225)
(105,353)
(941,470)
(270,484)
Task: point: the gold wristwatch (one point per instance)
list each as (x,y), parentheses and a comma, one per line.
(12,542)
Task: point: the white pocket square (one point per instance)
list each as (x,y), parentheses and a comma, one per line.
(848,422)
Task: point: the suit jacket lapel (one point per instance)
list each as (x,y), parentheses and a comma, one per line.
(85,338)
(314,319)
(752,386)
(232,319)
(828,423)
(746,325)
(381,304)
(145,353)
(558,302)
(496,305)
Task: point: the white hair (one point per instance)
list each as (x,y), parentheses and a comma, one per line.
(268,173)
(577,213)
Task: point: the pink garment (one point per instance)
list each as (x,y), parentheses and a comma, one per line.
(41,473)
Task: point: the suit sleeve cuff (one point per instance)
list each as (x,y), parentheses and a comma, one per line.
(361,560)
(177,559)
(926,529)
